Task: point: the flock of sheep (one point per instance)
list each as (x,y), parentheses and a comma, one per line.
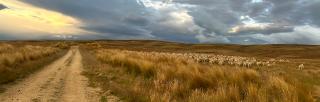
(216,59)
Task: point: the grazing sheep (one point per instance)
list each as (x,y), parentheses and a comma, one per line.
(301,67)
(214,59)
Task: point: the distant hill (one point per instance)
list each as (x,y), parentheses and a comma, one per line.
(273,51)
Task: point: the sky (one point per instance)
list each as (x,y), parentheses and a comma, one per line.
(192,21)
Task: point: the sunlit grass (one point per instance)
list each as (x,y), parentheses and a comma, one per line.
(16,62)
(166,78)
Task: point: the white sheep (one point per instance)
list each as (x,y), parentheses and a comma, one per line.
(301,67)
(214,59)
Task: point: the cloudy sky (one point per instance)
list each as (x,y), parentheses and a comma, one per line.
(196,21)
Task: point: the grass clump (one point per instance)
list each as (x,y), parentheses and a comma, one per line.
(62,45)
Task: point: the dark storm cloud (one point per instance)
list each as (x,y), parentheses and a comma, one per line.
(115,17)
(216,20)
(218,16)
(297,12)
(3,6)
(97,11)
(293,11)
(315,12)
(212,20)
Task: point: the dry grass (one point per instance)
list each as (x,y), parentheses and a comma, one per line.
(26,53)
(62,45)
(5,47)
(16,62)
(139,77)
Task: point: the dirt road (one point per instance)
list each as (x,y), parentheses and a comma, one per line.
(60,81)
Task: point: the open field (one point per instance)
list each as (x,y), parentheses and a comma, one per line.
(164,71)
(157,71)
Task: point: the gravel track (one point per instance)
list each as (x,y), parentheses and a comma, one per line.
(61,81)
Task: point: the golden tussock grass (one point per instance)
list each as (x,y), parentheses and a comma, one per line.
(62,45)
(16,62)
(166,78)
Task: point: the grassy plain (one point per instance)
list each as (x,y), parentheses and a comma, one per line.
(158,71)
(125,69)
